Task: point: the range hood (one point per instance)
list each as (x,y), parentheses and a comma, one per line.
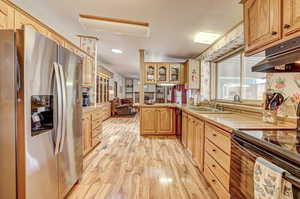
(284,57)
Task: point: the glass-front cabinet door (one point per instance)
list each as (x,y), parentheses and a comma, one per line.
(162,73)
(175,73)
(150,73)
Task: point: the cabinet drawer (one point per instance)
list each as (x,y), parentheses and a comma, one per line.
(96,140)
(96,124)
(222,158)
(97,115)
(217,170)
(97,131)
(218,137)
(216,185)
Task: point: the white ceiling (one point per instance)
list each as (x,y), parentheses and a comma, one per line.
(173,25)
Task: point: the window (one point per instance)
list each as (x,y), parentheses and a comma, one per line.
(228,79)
(234,77)
(254,84)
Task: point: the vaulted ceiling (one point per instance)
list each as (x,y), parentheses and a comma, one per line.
(173,25)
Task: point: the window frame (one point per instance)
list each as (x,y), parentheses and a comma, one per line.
(241,52)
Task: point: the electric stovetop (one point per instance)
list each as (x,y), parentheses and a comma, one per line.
(281,142)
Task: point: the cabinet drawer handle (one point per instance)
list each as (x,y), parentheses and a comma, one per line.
(274,33)
(286,26)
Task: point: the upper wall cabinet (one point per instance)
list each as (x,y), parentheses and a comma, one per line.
(87,72)
(262,23)
(6,16)
(22,20)
(291,17)
(150,73)
(270,22)
(175,73)
(159,73)
(162,73)
(193,74)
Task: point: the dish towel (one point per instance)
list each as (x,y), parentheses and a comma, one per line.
(268,181)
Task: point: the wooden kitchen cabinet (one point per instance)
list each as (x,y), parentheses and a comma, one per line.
(163,73)
(6,16)
(22,20)
(157,121)
(184,129)
(198,145)
(87,132)
(217,158)
(192,68)
(291,18)
(87,72)
(262,23)
(175,73)
(190,135)
(165,121)
(148,121)
(150,73)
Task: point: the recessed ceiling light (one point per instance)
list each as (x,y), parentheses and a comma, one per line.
(118,51)
(206,38)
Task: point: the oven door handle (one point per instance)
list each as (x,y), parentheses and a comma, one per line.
(237,141)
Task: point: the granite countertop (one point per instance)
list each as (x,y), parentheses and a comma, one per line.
(230,121)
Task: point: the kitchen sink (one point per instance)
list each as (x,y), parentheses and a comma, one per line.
(203,109)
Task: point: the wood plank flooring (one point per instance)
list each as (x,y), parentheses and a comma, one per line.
(127,166)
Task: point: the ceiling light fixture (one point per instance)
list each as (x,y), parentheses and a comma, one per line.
(117,51)
(206,38)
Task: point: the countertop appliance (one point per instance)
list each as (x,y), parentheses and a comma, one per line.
(40,108)
(284,57)
(281,147)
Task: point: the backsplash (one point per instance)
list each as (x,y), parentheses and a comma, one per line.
(288,84)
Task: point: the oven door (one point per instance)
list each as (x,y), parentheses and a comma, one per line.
(241,169)
(243,157)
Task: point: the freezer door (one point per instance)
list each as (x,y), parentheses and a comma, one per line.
(70,157)
(8,87)
(40,115)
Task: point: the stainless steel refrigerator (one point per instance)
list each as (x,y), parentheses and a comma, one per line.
(40,110)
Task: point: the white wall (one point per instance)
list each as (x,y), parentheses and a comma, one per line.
(47,12)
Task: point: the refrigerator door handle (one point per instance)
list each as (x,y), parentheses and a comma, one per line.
(59,108)
(64,109)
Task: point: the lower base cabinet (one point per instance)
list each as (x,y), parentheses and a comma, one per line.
(210,149)
(92,127)
(193,130)
(157,121)
(86,132)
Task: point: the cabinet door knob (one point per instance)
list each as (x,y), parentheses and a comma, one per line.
(214,150)
(215,135)
(274,33)
(286,26)
(213,181)
(213,166)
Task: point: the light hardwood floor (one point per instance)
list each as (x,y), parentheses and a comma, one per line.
(127,166)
